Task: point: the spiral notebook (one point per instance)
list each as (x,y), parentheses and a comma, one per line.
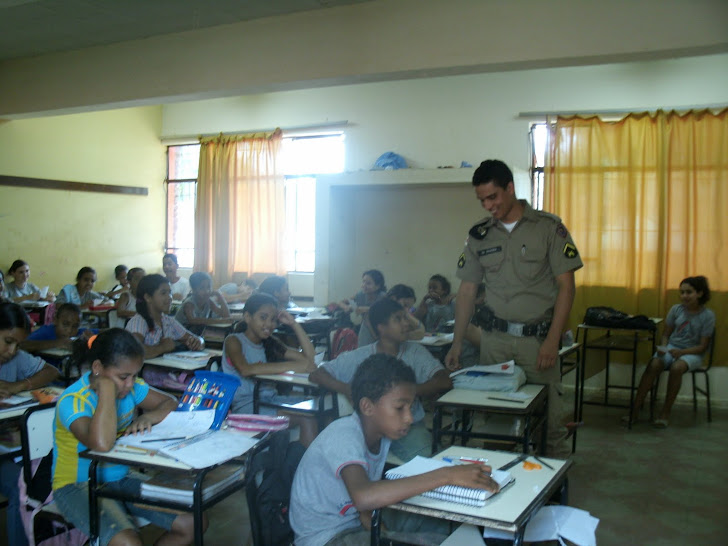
(450,493)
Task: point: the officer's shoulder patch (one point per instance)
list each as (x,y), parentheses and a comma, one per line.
(561,230)
(544,214)
(570,251)
(480,230)
(461,261)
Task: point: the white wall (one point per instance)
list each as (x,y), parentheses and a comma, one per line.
(442,121)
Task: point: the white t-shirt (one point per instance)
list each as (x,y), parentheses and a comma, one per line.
(181,287)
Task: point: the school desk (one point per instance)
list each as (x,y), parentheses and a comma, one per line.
(156,461)
(37,308)
(530,406)
(11,414)
(568,367)
(185,365)
(626,340)
(322,403)
(438,344)
(509,510)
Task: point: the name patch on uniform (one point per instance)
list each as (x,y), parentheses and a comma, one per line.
(461,261)
(570,251)
(490,250)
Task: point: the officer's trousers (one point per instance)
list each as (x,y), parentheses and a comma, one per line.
(498,347)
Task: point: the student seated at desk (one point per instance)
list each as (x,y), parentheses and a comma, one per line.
(277,287)
(152,325)
(126,304)
(238,293)
(256,352)
(19,371)
(405,296)
(91,414)
(338,482)
(59,334)
(82,293)
(688,328)
(438,305)
(180,285)
(203,306)
(373,289)
(20,288)
(388,318)
(122,282)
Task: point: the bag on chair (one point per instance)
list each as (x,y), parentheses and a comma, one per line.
(44,531)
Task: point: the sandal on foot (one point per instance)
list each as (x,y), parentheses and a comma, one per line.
(659,423)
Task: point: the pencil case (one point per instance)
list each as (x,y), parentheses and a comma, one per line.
(210,390)
(252,422)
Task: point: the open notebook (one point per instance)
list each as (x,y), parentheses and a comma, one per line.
(450,493)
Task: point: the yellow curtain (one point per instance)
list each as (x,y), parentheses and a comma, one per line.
(646,199)
(240,211)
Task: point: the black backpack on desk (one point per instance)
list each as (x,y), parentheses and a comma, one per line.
(608,317)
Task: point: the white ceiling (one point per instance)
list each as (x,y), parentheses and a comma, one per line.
(30,28)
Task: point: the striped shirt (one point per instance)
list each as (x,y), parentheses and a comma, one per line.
(80,400)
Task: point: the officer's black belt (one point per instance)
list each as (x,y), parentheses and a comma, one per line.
(486,319)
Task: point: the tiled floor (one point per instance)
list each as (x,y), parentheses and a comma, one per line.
(648,487)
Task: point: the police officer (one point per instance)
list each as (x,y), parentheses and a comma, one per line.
(527,260)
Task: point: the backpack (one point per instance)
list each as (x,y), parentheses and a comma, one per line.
(268,491)
(344,339)
(607,317)
(48,532)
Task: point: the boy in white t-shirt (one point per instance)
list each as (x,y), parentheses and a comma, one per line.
(338,482)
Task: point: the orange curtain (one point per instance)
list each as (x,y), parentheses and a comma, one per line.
(646,199)
(240,211)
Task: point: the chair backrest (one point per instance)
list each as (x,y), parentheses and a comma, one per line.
(36,435)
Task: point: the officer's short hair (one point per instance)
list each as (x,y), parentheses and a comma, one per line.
(493,170)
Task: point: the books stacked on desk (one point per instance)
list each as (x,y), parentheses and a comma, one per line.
(189,357)
(175,487)
(451,493)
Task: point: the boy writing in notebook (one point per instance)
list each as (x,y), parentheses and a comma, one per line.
(338,482)
(388,318)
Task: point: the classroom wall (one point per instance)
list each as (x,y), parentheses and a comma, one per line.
(443,121)
(58,232)
(371,41)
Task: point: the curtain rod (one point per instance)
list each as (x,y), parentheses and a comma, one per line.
(300,128)
(617,112)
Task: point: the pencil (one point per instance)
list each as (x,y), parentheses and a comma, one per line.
(165,439)
(506,400)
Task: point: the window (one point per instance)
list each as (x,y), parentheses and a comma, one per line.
(303,158)
(182,165)
(539,143)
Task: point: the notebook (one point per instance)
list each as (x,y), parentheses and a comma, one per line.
(451,493)
(175,487)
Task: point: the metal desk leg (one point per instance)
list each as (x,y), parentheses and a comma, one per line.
(634,375)
(583,375)
(197,506)
(256,397)
(93,503)
(436,428)
(518,537)
(376,530)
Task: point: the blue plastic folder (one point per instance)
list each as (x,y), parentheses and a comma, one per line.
(210,390)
